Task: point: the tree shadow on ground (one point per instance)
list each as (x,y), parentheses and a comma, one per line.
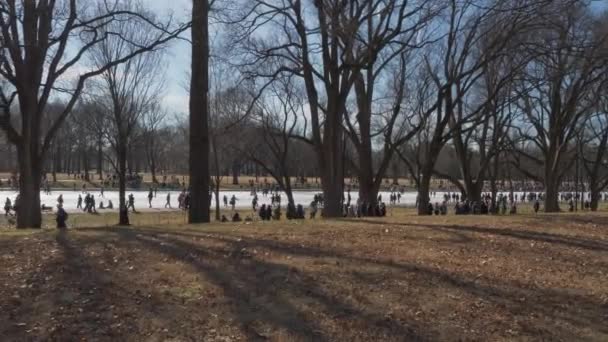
(246,279)
(565,240)
(263,293)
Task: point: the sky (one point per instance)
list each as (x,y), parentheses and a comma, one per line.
(178,53)
(177,58)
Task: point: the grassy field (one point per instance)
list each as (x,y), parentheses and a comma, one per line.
(398,278)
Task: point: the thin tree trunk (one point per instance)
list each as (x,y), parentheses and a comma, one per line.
(123,217)
(100,158)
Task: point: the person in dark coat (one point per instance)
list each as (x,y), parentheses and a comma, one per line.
(61,217)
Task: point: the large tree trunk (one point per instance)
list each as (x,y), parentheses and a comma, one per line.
(423,193)
(199,126)
(595,196)
(123,212)
(332,177)
(28,211)
(551,192)
(474,190)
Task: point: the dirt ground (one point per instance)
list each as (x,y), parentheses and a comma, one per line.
(400,278)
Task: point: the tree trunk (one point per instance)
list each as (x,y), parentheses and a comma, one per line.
(100,158)
(474,190)
(288,190)
(199,114)
(28,211)
(423,193)
(551,193)
(153,168)
(85,161)
(595,196)
(123,215)
(235,172)
(332,180)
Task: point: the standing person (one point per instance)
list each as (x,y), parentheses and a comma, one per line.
(61,218)
(60,199)
(536,206)
(150,196)
(79,203)
(7,207)
(92,208)
(225,201)
(102,195)
(233,201)
(131,202)
(254,202)
(168,204)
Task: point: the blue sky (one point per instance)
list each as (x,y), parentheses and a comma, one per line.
(178,56)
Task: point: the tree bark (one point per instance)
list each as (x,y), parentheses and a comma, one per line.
(123,216)
(28,211)
(100,158)
(235,172)
(199,116)
(551,193)
(423,193)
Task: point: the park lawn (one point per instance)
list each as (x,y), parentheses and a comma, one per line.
(398,278)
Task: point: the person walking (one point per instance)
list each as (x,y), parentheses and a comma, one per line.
(150,196)
(7,207)
(131,202)
(79,203)
(168,203)
(233,201)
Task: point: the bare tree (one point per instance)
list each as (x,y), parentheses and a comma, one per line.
(43,42)
(277,122)
(151,123)
(126,92)
(327,44)
(556,93)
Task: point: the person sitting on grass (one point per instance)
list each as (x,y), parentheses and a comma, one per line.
(61,218)
(277,213)
(236,217)
(46,208)
(224,218)
(101,205)
(110,205)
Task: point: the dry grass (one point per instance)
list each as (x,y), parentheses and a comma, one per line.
(525,277)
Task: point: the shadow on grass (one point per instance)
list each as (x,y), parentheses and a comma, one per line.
(246,279)
(261,292)
(565,240)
